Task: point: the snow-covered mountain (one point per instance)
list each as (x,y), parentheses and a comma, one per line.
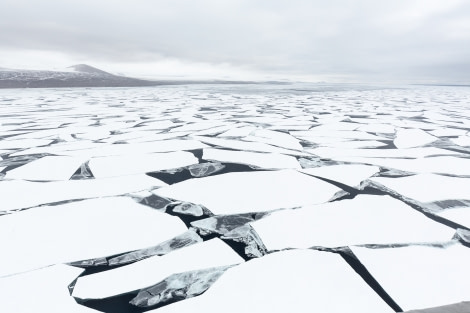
(80,75)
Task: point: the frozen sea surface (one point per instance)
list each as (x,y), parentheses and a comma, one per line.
(275,197)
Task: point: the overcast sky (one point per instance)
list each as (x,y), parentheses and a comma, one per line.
(334,40)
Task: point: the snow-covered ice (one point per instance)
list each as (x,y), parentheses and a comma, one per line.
(295,280)
(419,277)
(157,193)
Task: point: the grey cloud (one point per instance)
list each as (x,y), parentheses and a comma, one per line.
(364,38)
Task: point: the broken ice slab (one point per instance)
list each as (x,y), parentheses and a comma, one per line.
(463,235)
(274,138)
(449,165)
(47,168)
(81,230)
(461,307)
(347,174)
(205,169)
(188,238)
(145,273)
(222,224)
(140,163)
(253,247)
(13,191)
(312,134)
(410,138)
(339,153)
(336,126)
(238,131)
(23,143)
(352,144)
(146,147)
(377,128)
(427,187)
(287,281)
(246,192)
(260,160)
(418,277)
(187,208)
(248,146)
(366,219)
(48,291)
(178,286)
(463,141)
(448,132)
(460,215)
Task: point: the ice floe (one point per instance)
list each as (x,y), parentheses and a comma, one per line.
(296,280)
(366,219)
(418,277)
(260,160)
(110,166)
(251,191)
(13,191)
(47,168)
(427,187)
(46,288)
(348,174)
(152,270)
(81,230)
(409,138)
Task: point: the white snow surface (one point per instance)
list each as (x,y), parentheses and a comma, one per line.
(80,230)
(428,187)
(418,277)
(287,281)
(42,290)
(251,191)
(145,273)
(366,219)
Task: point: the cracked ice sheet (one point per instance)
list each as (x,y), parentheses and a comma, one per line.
(260,160)
(366,219)
(80,230)
(348,174)
(338,153)
(139,163)
(418,277)
(145,273)
(23,143)
(427,187)
(248,146)
(43,290)
(247,192)
(440,164)
(274,138)
(286,281)
(19,194)
(47,168)
(410,138)
(457,215)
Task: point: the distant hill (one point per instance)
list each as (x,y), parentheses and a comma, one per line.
(83,75)
(80,75)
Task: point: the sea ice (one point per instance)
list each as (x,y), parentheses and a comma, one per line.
(409,138)
(47,168)
(458,215)
(140,163)
(287,281)
(13,191)
(251,191)
(43,290)
(260,160)
(348,174)
(427,187)
(80,230)
(366,219)
(418,277)
(152,270)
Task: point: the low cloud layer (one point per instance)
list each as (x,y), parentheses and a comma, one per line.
(364,40)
